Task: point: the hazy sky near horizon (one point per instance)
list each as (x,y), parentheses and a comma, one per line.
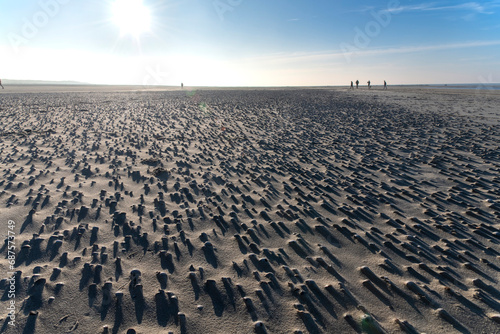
(251,42)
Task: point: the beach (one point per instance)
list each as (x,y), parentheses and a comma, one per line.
(284,210)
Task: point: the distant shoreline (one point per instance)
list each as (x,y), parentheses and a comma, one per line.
(10,82)
(67,88)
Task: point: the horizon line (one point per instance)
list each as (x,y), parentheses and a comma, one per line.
(22,82)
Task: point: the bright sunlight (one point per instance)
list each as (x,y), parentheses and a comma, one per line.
(131,16)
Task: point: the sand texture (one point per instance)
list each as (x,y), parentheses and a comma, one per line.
(251,210)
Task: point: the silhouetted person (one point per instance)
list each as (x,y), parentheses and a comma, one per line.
(182,85)
(352,85)
(1,83)
(369,87)
(357,84)
(385,85)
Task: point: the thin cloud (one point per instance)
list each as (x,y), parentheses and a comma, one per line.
(468,6)
(361,10)
(423,48)
(474,7)
(329,56)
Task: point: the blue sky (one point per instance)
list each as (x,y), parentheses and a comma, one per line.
(251,42)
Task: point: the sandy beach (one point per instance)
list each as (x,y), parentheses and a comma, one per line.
(319,210)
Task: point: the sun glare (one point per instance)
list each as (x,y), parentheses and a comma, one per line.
(131,16)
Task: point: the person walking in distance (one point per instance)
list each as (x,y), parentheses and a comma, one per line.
(385,85)
(369,87)
(352,85)
(357,84)
(1,83)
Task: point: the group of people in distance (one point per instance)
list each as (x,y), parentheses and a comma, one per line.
(368,82)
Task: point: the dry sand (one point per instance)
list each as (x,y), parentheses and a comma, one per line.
(250,211)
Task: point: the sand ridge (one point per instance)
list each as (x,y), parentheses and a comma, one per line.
(252,211)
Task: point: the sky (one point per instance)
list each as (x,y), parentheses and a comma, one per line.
(251,42)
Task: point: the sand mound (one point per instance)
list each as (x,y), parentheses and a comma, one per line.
(242,211)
